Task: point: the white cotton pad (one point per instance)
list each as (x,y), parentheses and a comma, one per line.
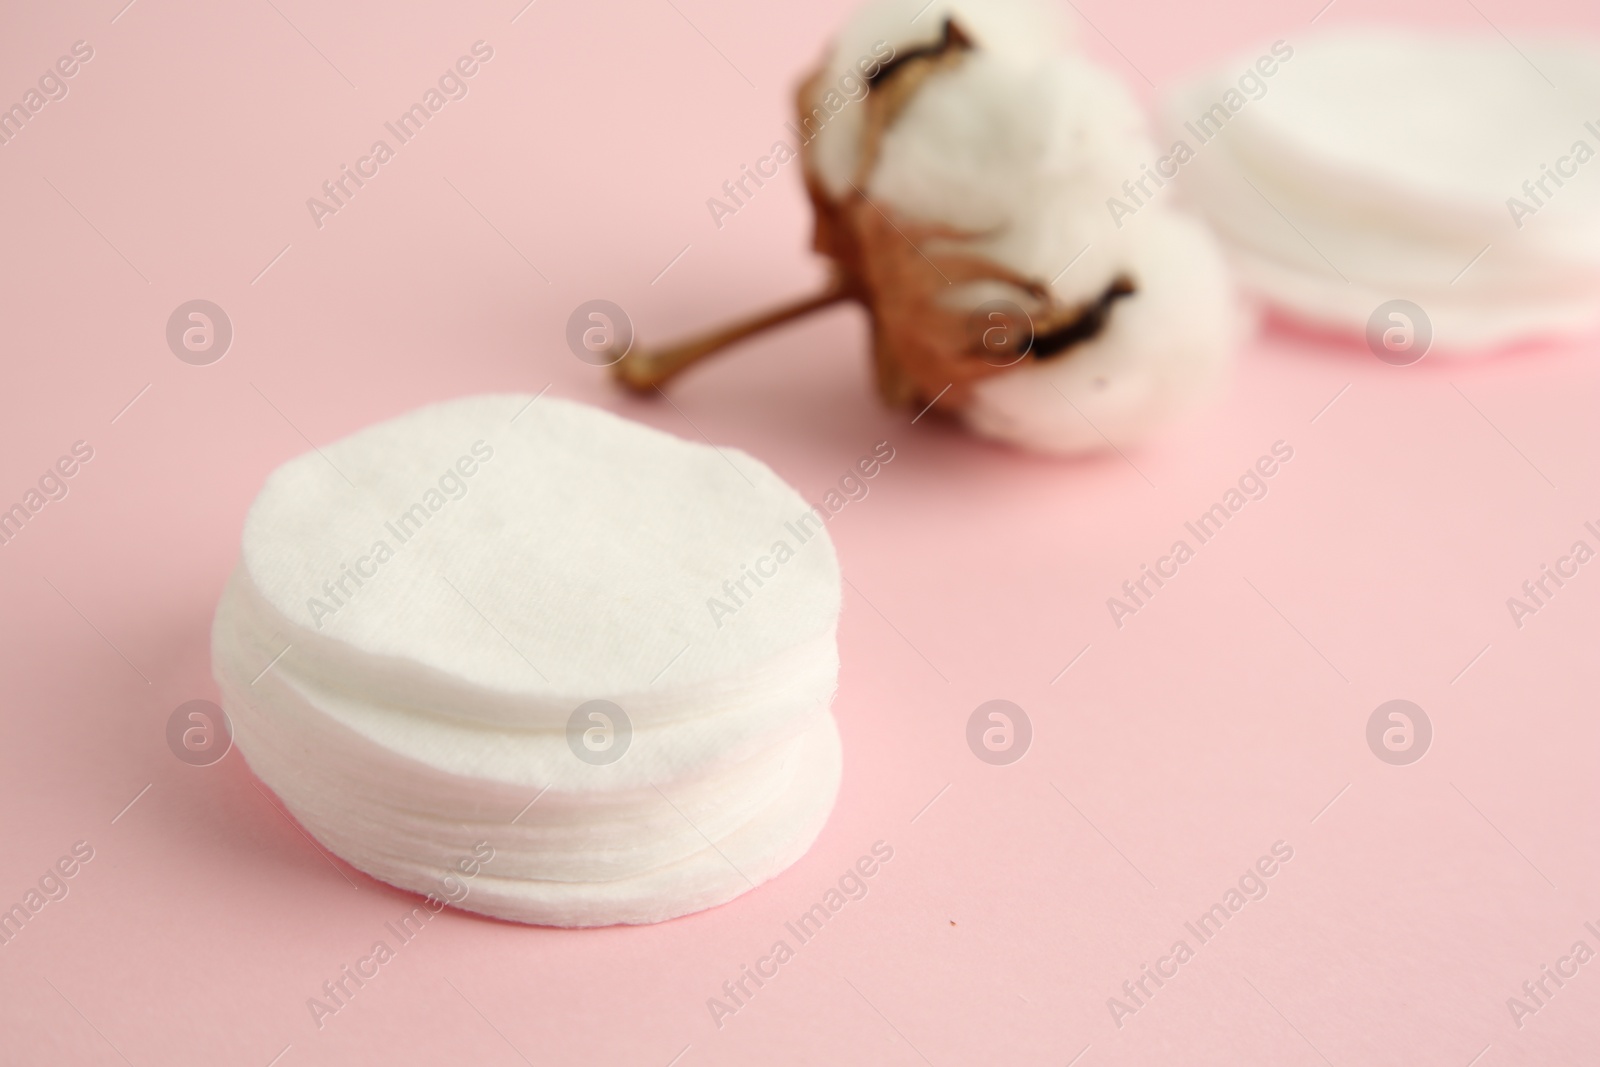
(640,857)
(420,608)
(744,858)
(1375,165)
(576,562)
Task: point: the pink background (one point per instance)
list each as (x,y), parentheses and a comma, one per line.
(1174,752)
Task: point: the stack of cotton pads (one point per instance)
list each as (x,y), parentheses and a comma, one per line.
(606,652)
(1364,167)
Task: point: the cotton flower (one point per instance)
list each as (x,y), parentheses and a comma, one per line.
(972,176)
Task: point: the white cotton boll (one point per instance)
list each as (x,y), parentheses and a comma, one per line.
(1099,135)
(1163,349)
(1016,146)
(1028,157)
(1022,33)
(1025,30)
(979,144)
(969,158)
(1044,210)
(966,150)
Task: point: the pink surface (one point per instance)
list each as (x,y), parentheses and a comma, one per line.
(1227,715)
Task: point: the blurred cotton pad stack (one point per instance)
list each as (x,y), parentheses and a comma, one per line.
(606,652)
(1361,167)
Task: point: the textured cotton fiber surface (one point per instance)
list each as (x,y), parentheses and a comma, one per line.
(419,609)
(1016,146)
(576,562)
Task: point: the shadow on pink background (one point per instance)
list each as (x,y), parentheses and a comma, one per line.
(1169,754)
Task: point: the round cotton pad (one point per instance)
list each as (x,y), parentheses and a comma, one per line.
(1366,166)
(426,615)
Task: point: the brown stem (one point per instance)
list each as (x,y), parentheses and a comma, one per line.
(643,370)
